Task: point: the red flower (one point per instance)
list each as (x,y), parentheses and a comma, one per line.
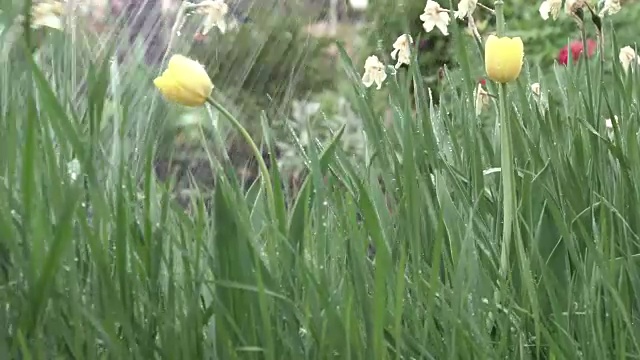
(482,81)
(576,50)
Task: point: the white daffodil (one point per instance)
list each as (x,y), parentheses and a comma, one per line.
(550,8)
(435,16)
(465,8)
(610,7)
(535,89)
(628,57)
(402,50)
(48,14)
(481,98)
(359,4)
(215,11)
(73,169)
(374,72)
(572,6)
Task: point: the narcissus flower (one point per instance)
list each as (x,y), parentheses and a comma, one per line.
(535,89)
(435,16)
(572,6)
(503,58)
(374,72)
(359,4)
(608,123)
(215,11)
(628,57)
(465,8)
(185,82)
(610,7)
(73,169)
(401,50)
(576,48)
(48,14)
(550,8)
(481,97)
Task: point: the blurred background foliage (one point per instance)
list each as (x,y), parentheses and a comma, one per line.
(263,70)
(276,65)
(270,67)
(543,39)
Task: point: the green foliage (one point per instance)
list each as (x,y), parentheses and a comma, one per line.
(106,265)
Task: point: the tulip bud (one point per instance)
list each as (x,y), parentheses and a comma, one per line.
(185,82)
(503,58)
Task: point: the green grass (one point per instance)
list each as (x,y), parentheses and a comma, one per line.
(109,267)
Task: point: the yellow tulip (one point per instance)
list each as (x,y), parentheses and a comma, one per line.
(503,58)
(185,81)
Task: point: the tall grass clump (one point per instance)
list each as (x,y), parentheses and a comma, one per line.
(497,221)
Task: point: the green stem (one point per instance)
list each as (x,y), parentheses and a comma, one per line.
(499,11)
(508,186)
(264,171)
(585,56)
(509,207)
(486,8)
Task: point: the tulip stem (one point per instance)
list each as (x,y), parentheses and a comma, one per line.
(509,206)
(499,11)
(264,171)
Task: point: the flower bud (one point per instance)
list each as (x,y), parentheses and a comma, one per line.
(503,58)
(185,81)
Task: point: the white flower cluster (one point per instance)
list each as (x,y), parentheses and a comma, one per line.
(551,8)
(434,16)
